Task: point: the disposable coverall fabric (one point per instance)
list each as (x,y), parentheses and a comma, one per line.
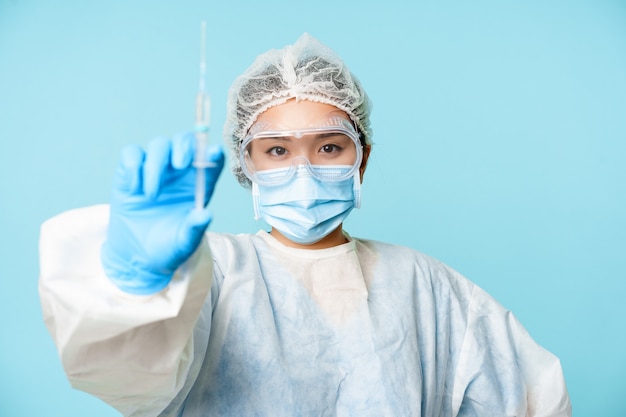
(361,329)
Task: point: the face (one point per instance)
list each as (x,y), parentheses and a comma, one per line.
(288,134)
(303,132)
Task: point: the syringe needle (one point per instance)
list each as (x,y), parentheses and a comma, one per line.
(202,56)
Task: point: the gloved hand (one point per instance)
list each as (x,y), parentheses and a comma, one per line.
(153,225)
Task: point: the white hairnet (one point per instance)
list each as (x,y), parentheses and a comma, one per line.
(306,70)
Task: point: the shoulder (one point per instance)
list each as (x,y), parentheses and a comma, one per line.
(226,245)
(399,251)
(405,263)
(402,257)
(443,281)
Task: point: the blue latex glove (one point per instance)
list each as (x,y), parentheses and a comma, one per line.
(153,226)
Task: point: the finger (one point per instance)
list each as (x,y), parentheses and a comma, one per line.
(215,154)
(128,176)
(192,230)
(155,167)
(182,150)
(215,157)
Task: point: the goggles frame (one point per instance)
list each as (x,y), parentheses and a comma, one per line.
(327,173)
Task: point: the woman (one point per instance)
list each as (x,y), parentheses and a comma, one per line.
(157,317)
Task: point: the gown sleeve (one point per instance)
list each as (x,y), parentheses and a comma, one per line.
(134,352)
(502,371)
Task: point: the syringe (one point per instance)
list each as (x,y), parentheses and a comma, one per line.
(203,116)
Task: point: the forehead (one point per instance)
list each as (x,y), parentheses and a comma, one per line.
(299,114)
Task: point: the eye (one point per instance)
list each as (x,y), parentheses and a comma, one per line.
(277,151)
(330,148)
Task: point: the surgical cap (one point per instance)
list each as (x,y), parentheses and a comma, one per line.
(306,70)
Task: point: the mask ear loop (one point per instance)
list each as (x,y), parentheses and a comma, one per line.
(256,201)
(356,189)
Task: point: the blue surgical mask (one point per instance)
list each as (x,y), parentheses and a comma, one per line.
(306,209)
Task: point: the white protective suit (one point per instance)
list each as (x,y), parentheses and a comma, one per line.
(251,327)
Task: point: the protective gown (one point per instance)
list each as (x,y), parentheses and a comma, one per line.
(249,327)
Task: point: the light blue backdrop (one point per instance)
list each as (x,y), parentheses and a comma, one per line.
(500,149)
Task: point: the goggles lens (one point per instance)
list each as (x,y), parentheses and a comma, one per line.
(331,152)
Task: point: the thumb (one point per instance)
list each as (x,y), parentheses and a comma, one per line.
(192,230)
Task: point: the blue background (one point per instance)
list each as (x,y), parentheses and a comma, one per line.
(499,131)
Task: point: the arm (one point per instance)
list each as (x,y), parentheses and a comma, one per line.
(122,287)
(132,351)
(503,371)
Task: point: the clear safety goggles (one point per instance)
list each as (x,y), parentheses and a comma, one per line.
(330,151)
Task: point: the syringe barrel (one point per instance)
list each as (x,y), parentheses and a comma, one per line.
(203,110)
(201,164)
